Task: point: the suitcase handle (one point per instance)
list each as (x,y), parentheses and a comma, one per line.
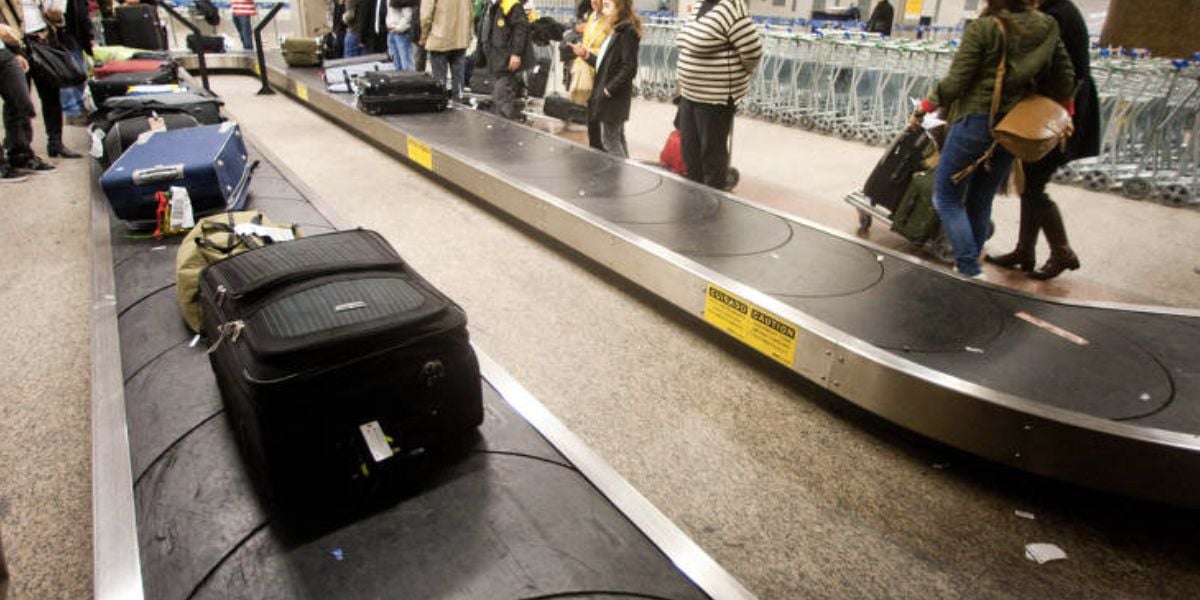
(157,174)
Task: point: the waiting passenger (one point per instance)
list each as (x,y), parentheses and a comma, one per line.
(400,38)
(593,30)
(719,50)
(445,35)
(505,49)
(35,14)
(18,111)
(972,166)
(616,64)
(1038,211)
(356,18)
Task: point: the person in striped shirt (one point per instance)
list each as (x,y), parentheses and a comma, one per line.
(719,50)
(242,11)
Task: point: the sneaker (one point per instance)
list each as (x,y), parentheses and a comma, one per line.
(35,165)
(10,175)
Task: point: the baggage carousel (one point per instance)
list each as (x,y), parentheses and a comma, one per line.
(1101,395)
(526,511)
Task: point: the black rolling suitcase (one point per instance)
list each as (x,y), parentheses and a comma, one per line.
(124,132)
(904,158)
(344,371)
(119,84)
(538,76)
(140,28)
(561,107)
(205,109)
(393,92)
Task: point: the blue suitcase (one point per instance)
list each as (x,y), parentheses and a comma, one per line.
(210,161)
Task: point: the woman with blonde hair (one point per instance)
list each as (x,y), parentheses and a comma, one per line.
(616,64)
(593,30)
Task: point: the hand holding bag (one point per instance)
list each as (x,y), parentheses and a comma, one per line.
(583,78)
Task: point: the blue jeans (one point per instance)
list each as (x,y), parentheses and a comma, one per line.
(457,62)
(72,98)
(965,208)
(353,45)
(400,48)
(245,30)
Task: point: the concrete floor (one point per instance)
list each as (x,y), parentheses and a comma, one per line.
(797,493)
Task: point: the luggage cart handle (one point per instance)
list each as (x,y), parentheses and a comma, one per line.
(158,174)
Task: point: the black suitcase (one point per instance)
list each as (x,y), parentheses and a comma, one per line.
(210,44)
(125,132)
(112,31)
(481,82)
(139,27)
(344,371)
(561,107)
(393,92)
(538,76)
(890,178)
(205,109)
(118,85)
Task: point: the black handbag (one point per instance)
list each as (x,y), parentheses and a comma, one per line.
(52,63)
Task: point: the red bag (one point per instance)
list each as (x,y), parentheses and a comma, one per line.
(137,65)
(672,155)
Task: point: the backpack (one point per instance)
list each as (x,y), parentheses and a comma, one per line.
(214,239)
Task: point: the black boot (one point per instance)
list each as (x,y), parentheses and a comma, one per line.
(1062,257)
(1022,257)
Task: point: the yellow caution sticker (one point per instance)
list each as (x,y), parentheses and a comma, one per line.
(301,91)
(758,328)
(255,67)
(420,153)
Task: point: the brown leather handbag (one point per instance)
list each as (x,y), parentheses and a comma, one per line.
(1035,126)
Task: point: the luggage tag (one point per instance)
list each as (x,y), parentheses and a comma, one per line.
(181,209)
(157,124)
(97,150)
(377,442)
(275,234)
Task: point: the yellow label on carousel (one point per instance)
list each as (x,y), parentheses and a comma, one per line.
(760,329)
(255,67)
(420,153)
(302,91)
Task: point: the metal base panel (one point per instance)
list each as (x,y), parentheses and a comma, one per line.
(1060,389)
(525,511)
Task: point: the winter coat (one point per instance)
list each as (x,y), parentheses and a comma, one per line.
(446,24)
(504,32)
(1037,61)
(617,66)
(1073,30)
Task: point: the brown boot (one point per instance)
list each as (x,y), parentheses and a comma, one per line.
(1062,257)
(1022,257)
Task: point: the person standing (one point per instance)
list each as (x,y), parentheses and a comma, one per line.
(77,39)
(243,11)
(972,166)
(504,44)
(594,30)
(616,65)
(18,111)
(881,18)
(446,33)
(400,23)
(355,18)
(36,15)
(1038,211)
(719,51)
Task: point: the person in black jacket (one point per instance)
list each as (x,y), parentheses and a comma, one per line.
(1038,211)
(504,46)
(19,110)
(881,18)
(78,41)
(616,65)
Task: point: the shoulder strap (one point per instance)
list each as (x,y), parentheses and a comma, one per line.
(999,74)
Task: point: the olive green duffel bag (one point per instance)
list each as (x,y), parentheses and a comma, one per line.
(216,238)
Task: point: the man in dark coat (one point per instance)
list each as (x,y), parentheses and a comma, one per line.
(504,44)
(78,40)
(882,18)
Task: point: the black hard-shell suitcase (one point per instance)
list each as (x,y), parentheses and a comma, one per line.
(892,174)
(125,132)
(561,107)
(118,85)
(111,28)
(392,92)
(537,77)
(343,369)
(140,27)
(205,109)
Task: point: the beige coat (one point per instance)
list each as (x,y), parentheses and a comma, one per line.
(446,24)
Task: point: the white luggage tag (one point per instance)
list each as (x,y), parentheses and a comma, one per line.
(181,209)
(97,150)
(275,234)
(376,440)
(157,123)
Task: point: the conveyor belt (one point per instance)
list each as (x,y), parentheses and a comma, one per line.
(1056,388)
(516,517)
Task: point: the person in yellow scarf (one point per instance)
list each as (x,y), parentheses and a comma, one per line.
(594,29)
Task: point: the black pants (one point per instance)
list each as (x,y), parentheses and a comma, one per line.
(18,113)
(1037,176)
(704,140)
(594,134)
(52,113)
(508,93)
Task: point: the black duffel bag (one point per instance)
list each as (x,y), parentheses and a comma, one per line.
(52,63)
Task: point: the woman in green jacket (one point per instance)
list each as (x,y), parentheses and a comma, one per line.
(1036,62)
